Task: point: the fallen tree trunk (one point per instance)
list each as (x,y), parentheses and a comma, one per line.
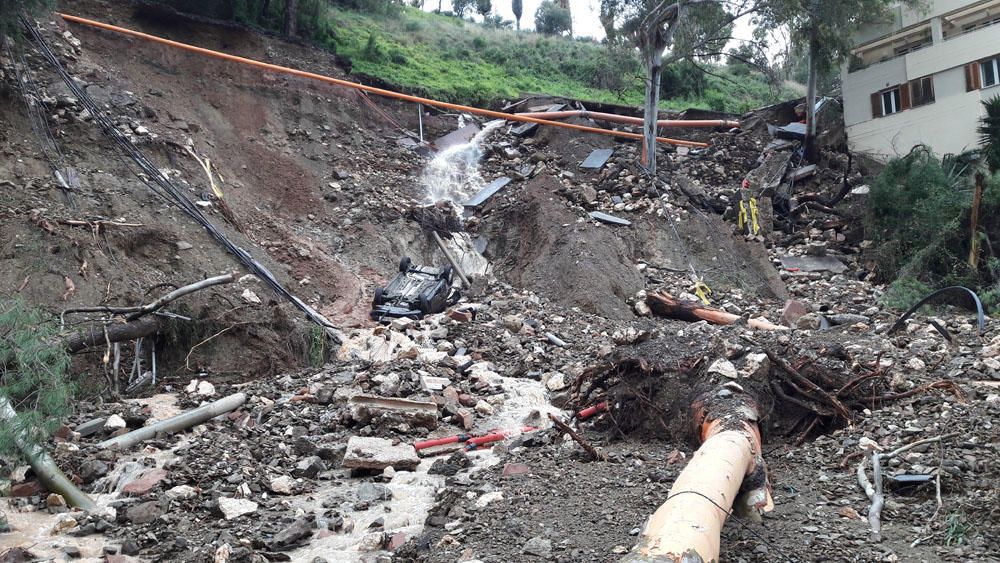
(727,469)
(177,423)
(136,326)
(100,335)
(665,305)
(45,469)
(181,292)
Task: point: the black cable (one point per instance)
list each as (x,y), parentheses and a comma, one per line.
(729,514)
(31,95)
(150,175)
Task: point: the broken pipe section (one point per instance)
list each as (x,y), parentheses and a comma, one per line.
(727,469)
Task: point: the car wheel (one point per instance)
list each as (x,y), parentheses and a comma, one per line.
(379,295)
(424,304)
(404,264)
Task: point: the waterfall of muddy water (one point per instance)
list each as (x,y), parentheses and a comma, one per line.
(453,174)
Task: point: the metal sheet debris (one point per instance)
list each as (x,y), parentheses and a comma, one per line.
(526,129)
(813,264)
(610,219)
(487,192)
(794,131)
(597,159)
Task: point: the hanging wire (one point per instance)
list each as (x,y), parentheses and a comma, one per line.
(37,118)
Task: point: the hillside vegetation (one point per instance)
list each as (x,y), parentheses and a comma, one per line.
(456,60)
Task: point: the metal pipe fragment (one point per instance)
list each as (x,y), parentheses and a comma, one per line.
(727,470)
(177,423)
(44,467)
(451,259)
(615,118)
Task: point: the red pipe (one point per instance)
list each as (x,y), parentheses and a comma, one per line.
(615,118)
(440,441)
(473,443)
(591,411)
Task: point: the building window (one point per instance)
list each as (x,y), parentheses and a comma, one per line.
(922,91)
(891,102)
(990,72)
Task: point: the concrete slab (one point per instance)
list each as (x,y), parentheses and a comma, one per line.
(802,173)
(379,453)
(813,264)
(368,409)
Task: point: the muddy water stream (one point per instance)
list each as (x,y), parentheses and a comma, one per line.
(453,174)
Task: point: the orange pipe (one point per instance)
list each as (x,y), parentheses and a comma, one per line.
(362,87)
(615,118)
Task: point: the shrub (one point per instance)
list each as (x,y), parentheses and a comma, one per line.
(373,52)
(11,9)
(33,376)
(918,218)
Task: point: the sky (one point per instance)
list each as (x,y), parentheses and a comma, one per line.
(585,17)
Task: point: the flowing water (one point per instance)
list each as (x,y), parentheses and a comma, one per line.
(453,174)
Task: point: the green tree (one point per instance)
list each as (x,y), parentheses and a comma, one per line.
(827,28)
(496,21)
(33,376)
(484,7)
(291,18)
(518,8)
(551,19)
(461,8)
(989,133)
(11,9)
(689,29)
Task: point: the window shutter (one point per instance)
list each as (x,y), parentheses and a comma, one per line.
(972,78)
(876,105)
(904,97)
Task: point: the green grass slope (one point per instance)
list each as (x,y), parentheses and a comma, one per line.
(450,59)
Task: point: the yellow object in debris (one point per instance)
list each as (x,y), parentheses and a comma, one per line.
(741,219)
(206,165)
(755,226)
(702,291)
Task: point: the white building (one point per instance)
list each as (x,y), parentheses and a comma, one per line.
(922,78)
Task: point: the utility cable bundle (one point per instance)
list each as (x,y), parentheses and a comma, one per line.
(152,177)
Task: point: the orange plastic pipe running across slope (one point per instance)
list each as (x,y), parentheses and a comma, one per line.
(362,87)
(615,118)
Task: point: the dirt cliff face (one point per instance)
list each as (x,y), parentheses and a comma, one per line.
(323,187)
